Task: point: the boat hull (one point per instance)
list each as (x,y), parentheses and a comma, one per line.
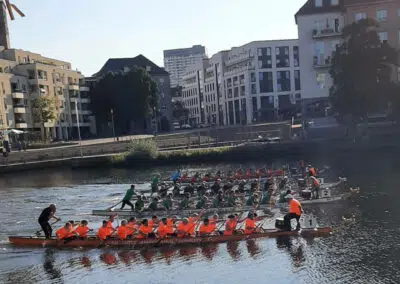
(96,243)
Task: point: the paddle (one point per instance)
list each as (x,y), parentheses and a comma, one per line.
(109,208)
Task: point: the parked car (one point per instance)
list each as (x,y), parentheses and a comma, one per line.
(186,126)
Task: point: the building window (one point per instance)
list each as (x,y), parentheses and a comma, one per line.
(253,89)
(318,3)
(266,82)
(334,2)
(264,57)
(297,85)
(360,16)
(282,57)
(283,81)
(382,36)
(381,15)
(253,77)
(320,79)
(296,60)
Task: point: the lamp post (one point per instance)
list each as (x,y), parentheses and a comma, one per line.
(79,129)
(112,120)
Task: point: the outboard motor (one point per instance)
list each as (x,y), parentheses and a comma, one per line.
(305,193)
(301,182)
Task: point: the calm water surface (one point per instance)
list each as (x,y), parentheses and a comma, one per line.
(365,246)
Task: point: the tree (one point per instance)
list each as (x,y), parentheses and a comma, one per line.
(43,108)
(132,97)
(180,112)
(361,71)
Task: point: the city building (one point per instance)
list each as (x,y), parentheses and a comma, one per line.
(177,61)
(158,74)
(320,24)
(24,76)
(257,82)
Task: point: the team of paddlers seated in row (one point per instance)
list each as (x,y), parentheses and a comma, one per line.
(167,227)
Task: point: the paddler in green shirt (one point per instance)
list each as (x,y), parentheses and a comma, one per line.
(154,204)
(128,196)
(201,203)
(184,204)
(139,204)
(253,200)
(167,202)
(154,185)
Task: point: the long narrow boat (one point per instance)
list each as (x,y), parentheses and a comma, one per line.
(133,243)
(221,210)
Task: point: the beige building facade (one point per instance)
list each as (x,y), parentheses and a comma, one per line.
(24,76)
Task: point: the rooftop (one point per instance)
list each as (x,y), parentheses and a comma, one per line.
(195,49)
(309,8)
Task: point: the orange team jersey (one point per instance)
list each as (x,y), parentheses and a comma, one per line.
(213,223)
(230,225)
(294,207)
(183,230)
(151,223)
(170,222)
(206,229)
(82,231)
(122,232)
(132,228)
(249,226)
(192,224)
(163,230)
(103,233)
(315,181)
(109,225)
(144,231)
(63,233)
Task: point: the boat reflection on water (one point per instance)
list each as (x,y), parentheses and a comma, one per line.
(296,252)
(48,264)
(252,248)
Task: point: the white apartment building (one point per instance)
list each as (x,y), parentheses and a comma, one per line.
(257,82)
(320,24)
(177,62)
(24,76)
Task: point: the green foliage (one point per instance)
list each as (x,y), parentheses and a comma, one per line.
(142,149)
(361,70)
(44,108)
(132,96)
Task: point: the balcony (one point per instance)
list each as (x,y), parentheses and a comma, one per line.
(18,95)
(81,112)
(19,109)
(322,62)
(21,125)
(84,89)
(327,32)
(73,87)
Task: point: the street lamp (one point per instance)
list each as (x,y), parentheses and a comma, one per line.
(112,119)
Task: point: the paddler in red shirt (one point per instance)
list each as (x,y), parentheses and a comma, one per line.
(65,232)
(82,229)
(104,231)
(230,225)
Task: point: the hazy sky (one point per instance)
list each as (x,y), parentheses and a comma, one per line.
(88,32)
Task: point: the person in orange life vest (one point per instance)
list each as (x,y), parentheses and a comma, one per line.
(294,212)
(110,221)
(249,224)
(315,187)
(122,231)
(192,221)
(183,228)
(153,222)
(65,232)
(206,228)
(311,171)
(145,230)
(163,229)
(82,229)
(104,231)
(132,227)
(230,225)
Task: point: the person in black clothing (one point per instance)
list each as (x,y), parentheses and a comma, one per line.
(44,218)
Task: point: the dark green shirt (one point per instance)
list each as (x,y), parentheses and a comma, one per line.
(139,205)
(201,203)
(153,205)
(128,195)
(184,204)
(167,203)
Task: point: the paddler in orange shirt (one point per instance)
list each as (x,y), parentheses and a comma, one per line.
(82,229)
(249,224)
(110,221)
(294,212)
(65,232)
(122,231)
(132,227)
(145,231)
(230,225)
(163,229)
(104,231)
(153,222)
(206,229)
(213,221)
(192,221)
(183,228)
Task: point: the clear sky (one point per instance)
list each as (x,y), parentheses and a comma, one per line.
(88,32)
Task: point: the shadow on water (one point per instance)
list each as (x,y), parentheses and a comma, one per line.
(49,265)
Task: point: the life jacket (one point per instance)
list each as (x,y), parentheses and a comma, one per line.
(63,233)
(151,223)
(163,230)
(312,172)
(144,231)
(230,225)
(122,232)
(192,223)
(82,231)
(103,232)
(206,229)
(294,207)
(109,225)
(249,226)
(315,181)
(183,230)
(213,223)
(132,228)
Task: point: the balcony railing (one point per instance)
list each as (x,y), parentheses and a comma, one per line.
(326,32)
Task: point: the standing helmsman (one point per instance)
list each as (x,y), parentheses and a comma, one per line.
(294,212)
(44,219)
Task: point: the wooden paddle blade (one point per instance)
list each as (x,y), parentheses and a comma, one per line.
(18,10)
(10,12)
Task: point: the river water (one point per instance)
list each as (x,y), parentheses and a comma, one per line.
(364,248)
